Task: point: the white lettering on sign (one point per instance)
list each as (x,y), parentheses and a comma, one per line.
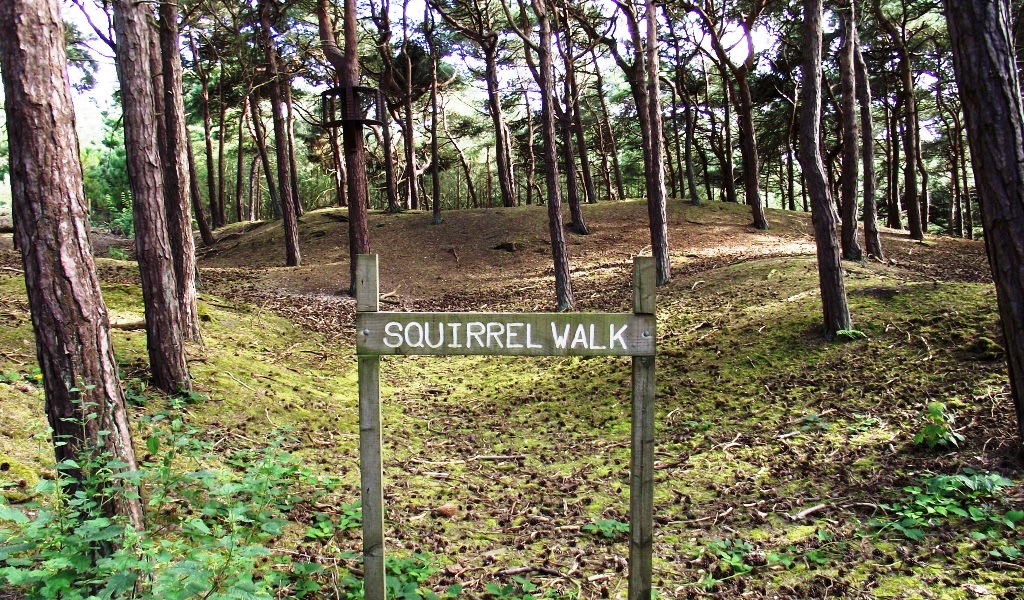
(496,335)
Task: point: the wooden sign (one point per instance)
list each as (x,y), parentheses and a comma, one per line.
(507,334)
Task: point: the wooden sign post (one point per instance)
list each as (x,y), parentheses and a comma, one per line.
(507,334)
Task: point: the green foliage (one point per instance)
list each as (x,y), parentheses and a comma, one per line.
(938,429)
(124,222)
(736,557)
(210,531)
(814,422)
(849,335)
(350,516)
(969,495)
(404,579)
(105,177)
(522,588)
(117,253)
(609,528)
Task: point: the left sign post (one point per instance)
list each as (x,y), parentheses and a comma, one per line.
(370,466)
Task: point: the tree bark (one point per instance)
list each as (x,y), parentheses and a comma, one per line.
(894,213)
(197,198)
(293,167)
(204,104)
(84,403)
(910,200)
(293,257)
(728,167)
(835,310)
(176,171)
(502,144)
(656,194)
(986,75)
(411,181)
(462,159)
(748,151)
(435,171)
(243,115)
(559,253)
(968,213)
(620,190)
(872,240)
(260,138)
(851,134)
(346,66)
(222,129)
(164,339)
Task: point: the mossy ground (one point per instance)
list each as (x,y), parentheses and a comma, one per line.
(766,434)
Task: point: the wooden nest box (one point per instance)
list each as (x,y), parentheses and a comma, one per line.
(341,105)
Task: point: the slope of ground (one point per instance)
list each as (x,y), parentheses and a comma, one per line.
(786,467)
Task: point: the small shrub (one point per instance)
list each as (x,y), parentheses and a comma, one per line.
(609,528)
(938,429)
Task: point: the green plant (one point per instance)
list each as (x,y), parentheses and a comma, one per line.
(938,430)
(814,422)
(969,495)
(609,528)
(209,533)
(850,335)
(862,423)
(123,221)
(117,253)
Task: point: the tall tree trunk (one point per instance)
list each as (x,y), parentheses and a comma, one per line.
(894,216)
(910,146)
(872,241)
(502,144)
(222,129)
(293,256)
(748,148)
(204,104)
(790,144)
(260,138)
(851,134)
(462,159)
(579,223)
(620,190)
(823,213)
(572,93)
(656,194)
(602,145)
(559,253)
(243,115)
(254,187)
(986,75)
(412,196)
(293,167)
(84,403)
(164,337)
(346,66)
(435,170)
(175,171)
(389,159)
(196,196)
(729,175)
(968,203)
(339,167)
(691,125)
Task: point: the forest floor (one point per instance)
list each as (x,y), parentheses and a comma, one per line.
(785,466)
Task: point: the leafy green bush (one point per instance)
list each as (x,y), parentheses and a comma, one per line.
(972,495)
(609,528)
(938,430)
(209,533)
